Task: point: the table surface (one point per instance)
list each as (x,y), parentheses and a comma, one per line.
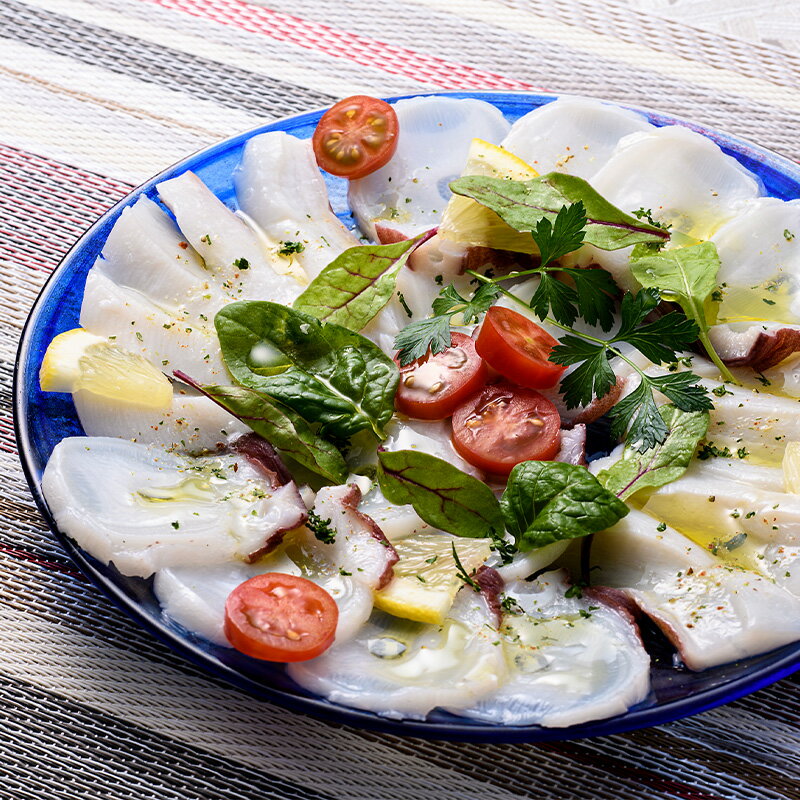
(100,94)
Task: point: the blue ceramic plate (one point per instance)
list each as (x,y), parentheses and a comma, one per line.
(42,420)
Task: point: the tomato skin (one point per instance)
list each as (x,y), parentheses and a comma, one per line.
(356,136)
(502,425)
(459,370)
(278,617)
(518,349)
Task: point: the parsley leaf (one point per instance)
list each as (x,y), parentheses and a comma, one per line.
(565,234)
(416,339)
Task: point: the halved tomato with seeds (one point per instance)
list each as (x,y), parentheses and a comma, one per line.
(356,136)
(502,425)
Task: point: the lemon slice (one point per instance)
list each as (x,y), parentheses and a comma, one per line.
(791,468)
(77,360)
(468,222)
(426,579)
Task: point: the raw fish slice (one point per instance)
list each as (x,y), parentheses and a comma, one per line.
(403,669)
(247,268)
(573,446)
(523,565)
(682,177)
(573,134)
(192,424)
(408,195)
(359,547)
(146,252)
(279,185)
(713,613)
(195,596)
(396,522)
(144,509)
(570,660)
(167,341)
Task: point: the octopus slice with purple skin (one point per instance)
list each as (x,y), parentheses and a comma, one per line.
(570,659)
(144,509)
(359,547)
(712,612)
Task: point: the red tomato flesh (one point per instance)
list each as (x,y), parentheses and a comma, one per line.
(432,386)
(502,425)
(356,136)
(518,349)
(277,617)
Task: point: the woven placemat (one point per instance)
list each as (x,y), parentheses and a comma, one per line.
(101,94)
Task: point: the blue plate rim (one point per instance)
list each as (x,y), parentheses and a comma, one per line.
(316,706)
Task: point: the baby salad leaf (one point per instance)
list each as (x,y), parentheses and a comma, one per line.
(546,501)
(327,373)
(280,426)
(434,333)
(443,495)
(521,204)
(356,285)
(663,463)
(687,276)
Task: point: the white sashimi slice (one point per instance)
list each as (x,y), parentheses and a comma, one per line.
(134,323)
(144,509)
(403,669)
(711,611)
(428,437)
(279,185)
(230,249)
(396,522)
(359,547)
(525,564)
(570,660)
(192,424)
(575,135)
(682,177)
(146,252)
(408,195)
(194,597)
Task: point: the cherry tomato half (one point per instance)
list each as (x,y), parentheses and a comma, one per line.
(432,386)
(277,617)
(502,425)
(518,349)
(356,136)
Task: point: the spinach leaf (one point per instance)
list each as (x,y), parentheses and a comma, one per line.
(687,276)
(326,373)
(354,287)
(662,463)
(522,204)
(547,501)
(443,495)
(280,426)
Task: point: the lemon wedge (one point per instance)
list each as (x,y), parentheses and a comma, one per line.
(791,468)
(468,222)
(77,360)
(426,579)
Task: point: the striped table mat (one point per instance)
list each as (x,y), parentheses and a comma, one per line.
(100,94)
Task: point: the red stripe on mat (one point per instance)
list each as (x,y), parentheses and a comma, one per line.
(54,566)
(341,44)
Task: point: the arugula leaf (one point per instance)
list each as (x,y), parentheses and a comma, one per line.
(433,333)
(562,236)
(522,204)
(687,276)
(357,284)
(285,430)
(328,375)
(663,463)
(547,502)
(443,495)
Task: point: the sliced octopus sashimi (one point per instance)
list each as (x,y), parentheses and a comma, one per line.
(712,612)
(144,509)
(570,660)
